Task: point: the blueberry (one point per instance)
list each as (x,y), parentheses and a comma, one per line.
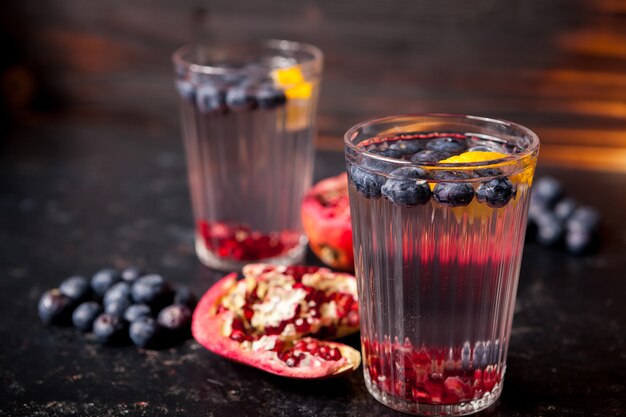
(549,229)
(270,97)
(565,208)
(479,355)
(144,332)
(242,97)
(118,292)
(85,314)
(448,145)
(496,192)
(184,296)
(406,186)
(366,182)
(487,172)
(76,287)
(584,219)
(55,307)
(453,194)
(211,98)
(131,274)
(579,242)
(135,311)
(407,147)
(389,152)
(186,90)
(465,356)
(152,290)
(429,156)
(103,280)
(109,329)
(175,318)
(547,190)
(117,307)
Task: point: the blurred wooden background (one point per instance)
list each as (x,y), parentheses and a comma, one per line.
(556,66)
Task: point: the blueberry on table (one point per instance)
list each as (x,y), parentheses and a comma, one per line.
(55,307)
(584,219)
(176,318)
(496,192)
(407,147)
(429,156)
(85,314)
(406,186)
(109,329)
(119,291)
(131,274)
(211,98)
(117,307)
(103,280)
(269,96)
(565,208)
(186,90)
(549,229)
(242,97)
(152,290)
(183,295)
(134,311)
(547,190)
(579,242)
(76,287)
(448,145)
(144,332)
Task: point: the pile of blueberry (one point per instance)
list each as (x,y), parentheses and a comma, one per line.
(118,306)
(408,186)
(556,220)
(220,94)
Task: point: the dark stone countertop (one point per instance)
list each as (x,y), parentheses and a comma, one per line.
(76,197)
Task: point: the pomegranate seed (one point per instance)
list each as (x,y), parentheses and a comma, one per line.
(237,324)
(312,348)
(248,313)
(353,318)
(302,326)
(334,354)
(238,336)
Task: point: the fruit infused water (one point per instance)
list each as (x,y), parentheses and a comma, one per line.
(247,113)
(439,206)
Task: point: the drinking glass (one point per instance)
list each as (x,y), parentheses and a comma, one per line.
(247,114)
(439,206)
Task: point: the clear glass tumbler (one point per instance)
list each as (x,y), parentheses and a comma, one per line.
(247,112)
(439,206)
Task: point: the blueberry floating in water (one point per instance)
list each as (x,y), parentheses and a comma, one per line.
(448,145)
(407,147)
(211,98)
(54,307)
(103,280)
(134,311)
(242,97)
(152,290)
(487,172)
(366,182)
(76,287)
(406,186)
(145,332)
(85,314)
(269,97)
(109,329)
(452,194)
(429,156)
(389,152)
(496,192)
(186,90)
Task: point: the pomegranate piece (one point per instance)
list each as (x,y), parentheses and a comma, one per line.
(326,219)
(265,320)
(239,242)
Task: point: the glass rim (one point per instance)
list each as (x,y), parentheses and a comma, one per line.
(533,147)
(179,59)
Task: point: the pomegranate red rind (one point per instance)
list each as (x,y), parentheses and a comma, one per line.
(213,328)
(326,220)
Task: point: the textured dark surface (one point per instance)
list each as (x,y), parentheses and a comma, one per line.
(74,198)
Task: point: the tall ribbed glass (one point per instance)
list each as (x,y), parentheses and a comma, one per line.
(247,113)
(437,279)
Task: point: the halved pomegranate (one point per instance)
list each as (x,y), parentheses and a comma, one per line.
(326,219)
(264,320)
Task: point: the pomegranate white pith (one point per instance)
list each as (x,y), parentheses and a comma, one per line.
(264,320)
